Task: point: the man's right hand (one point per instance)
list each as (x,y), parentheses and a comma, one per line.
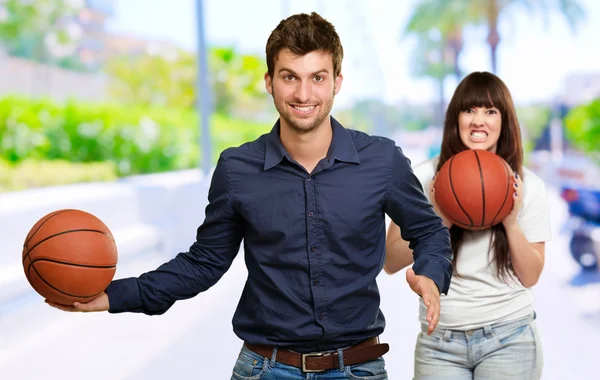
(99,303)
(428,290)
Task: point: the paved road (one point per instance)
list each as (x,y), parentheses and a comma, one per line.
(194,340)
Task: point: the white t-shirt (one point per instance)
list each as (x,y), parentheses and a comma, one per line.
(478,297)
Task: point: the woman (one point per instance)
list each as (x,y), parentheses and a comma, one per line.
(487,324)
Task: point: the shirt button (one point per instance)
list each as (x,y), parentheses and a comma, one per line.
(321,316)
(308,179)
(310,214)
(313,249)
(316,282)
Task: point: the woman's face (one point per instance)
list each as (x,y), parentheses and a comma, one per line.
(479,128)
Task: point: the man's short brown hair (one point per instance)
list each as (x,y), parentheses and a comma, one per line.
(301,34)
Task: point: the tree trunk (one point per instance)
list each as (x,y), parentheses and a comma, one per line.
(493,38)
(442,105)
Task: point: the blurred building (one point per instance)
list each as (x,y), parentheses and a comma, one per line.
(581,88)
(92,19)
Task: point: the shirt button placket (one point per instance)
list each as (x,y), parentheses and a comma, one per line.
(313,257)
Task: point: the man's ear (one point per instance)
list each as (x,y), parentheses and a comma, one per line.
(338,83)
(268,83)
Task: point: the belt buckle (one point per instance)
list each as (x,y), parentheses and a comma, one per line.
(311,355)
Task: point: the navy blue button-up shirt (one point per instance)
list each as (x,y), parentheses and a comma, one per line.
(314,243)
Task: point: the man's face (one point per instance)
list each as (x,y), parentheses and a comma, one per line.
(303,88)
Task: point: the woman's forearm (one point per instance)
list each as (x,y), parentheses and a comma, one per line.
(527,258)
(398,255)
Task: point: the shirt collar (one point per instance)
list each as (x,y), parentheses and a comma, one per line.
(342,146)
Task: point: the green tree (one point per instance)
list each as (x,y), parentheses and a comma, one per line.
(433,58)
(165,80)
(450,18)
(489,13)
(39,29)
(237,79)
(445,19)
(583,128)
(169,79)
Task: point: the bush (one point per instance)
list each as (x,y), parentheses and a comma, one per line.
(31,173)
(135,139)
(583,128)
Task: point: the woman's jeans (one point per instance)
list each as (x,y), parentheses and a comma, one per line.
(503,351)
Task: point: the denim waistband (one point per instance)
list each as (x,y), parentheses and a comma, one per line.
(483,330)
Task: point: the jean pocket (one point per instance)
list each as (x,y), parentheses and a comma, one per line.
(250,367)
(373,370)
(430,341)
(520,334)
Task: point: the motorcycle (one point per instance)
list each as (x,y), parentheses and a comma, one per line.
(584,225)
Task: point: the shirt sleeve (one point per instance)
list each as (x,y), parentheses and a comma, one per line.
(407,205)
(217,244)
(534,217)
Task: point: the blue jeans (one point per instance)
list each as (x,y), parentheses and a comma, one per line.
(504,351)
(251,366)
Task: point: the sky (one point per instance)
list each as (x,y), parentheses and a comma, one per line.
(535,57)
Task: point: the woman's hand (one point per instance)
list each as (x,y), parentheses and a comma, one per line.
(511,219)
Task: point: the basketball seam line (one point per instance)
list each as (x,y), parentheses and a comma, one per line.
(453,193)
(58,290)
(66,232)
(44,222)
(74,264)
(482,189)
(26,244)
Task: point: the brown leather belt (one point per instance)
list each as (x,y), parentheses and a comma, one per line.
(364,351)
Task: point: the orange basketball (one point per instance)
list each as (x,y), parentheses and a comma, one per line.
(68,256)
(474,189)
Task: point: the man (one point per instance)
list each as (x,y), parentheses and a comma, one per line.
(309,200)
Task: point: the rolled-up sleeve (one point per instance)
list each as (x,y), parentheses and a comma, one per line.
(189,273)
(429,239)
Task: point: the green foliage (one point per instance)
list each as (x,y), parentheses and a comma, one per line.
(583,128)
(153,79)
(168,79)
(136,139)
(32,173)
(35,29)
(533,119)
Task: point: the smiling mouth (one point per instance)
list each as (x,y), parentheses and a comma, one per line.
(303,109)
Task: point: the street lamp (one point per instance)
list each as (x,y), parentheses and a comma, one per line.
(203,103)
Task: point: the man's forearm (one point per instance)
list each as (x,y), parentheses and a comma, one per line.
(433,259)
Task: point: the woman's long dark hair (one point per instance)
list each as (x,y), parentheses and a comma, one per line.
(483,89)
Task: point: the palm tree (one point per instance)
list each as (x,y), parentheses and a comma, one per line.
(445,17)
(490,11)
(434,58)
(451,16)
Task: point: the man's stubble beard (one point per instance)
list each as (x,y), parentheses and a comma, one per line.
(325,109)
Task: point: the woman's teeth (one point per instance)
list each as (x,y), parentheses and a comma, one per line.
(478,136)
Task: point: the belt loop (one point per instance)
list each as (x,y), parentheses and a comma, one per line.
(487,329)
(341,358)
(273,358)
(447,335)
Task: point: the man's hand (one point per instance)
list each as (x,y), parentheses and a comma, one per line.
(430,293)
(99,303)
